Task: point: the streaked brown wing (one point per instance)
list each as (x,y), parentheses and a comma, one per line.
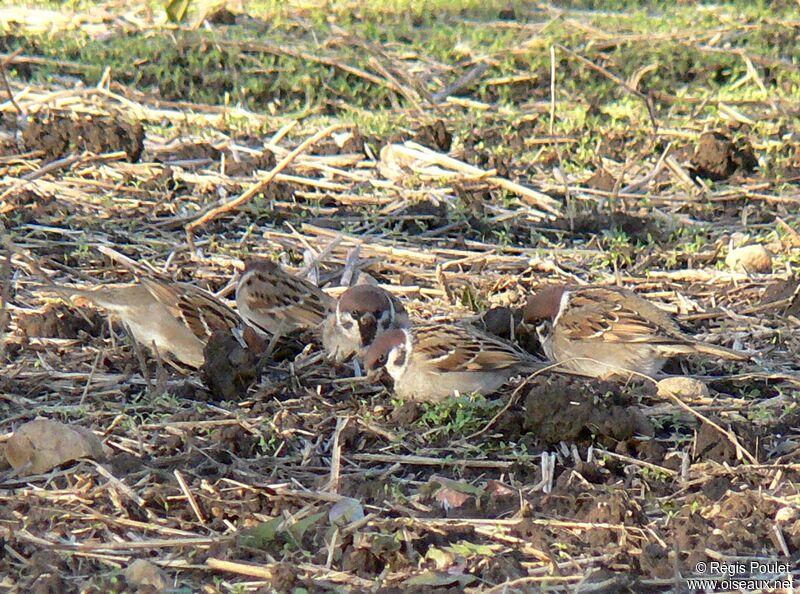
(200,311)
(282,298)
(616,315)
(453,348)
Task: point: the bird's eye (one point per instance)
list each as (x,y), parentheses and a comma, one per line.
(356,315)
(382,360)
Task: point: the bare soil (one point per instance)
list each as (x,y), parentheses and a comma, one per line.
(290,475)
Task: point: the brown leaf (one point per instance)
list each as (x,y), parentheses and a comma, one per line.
(749,258)
(498,489)
(144,573)
(450,498)
(40,445)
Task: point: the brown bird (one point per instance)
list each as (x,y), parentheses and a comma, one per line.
(278,303)
(603,331)
(362,314)
(173,319)
(431,362)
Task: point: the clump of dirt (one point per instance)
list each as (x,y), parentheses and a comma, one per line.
(29,206)
(405,414)
(60,321)
(284,578)
(474,195)
(8,144)
(601,180)
(710,444)
(236,440)
(229,369)
(576,500)
(590,222)
(619,146)
(573,409)
(435,136)
(655,561)
(422,216)
(245,165)
(739,521)
(190,151)
(475,152)
(500,321)
(507,14)
(717,157)
(223,16)
(786,293)
(362,561)
(58,135)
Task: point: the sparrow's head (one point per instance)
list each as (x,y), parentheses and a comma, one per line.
(544,305)
(260,264)
(390,350)
(364,312)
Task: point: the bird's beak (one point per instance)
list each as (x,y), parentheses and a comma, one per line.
(368,328)
(374,375)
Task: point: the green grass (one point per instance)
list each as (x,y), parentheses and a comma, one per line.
(212,67)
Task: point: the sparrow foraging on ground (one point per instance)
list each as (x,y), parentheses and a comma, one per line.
(604,331)
(173,319)
(362,314)
(277,303)
(431,362)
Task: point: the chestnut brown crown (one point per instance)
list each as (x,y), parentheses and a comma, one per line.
(262,264)
(364,298)
(378,353)
(544,304)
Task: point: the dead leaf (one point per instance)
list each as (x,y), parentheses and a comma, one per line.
(453,494)
(682,387)
(435,579)
(144,573)
(41,445)
(498,489)
(749,258)
(450,498)
(345,511)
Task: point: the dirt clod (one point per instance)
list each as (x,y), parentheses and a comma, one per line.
(655,561)
(571,409)
(245,165)
(710,444)
(500,321)
(717,157)
(60,321)
(435,136)
(601,180)
(58,135)
(229,369)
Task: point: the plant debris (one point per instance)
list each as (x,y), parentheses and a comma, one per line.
(462,158)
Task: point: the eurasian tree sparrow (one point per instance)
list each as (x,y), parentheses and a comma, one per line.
(362,313)
(602,331)
(277,303)
(174,319)
(431,362)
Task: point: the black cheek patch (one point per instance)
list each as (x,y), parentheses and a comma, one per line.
(400,360)
(385,321)
(348,325)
